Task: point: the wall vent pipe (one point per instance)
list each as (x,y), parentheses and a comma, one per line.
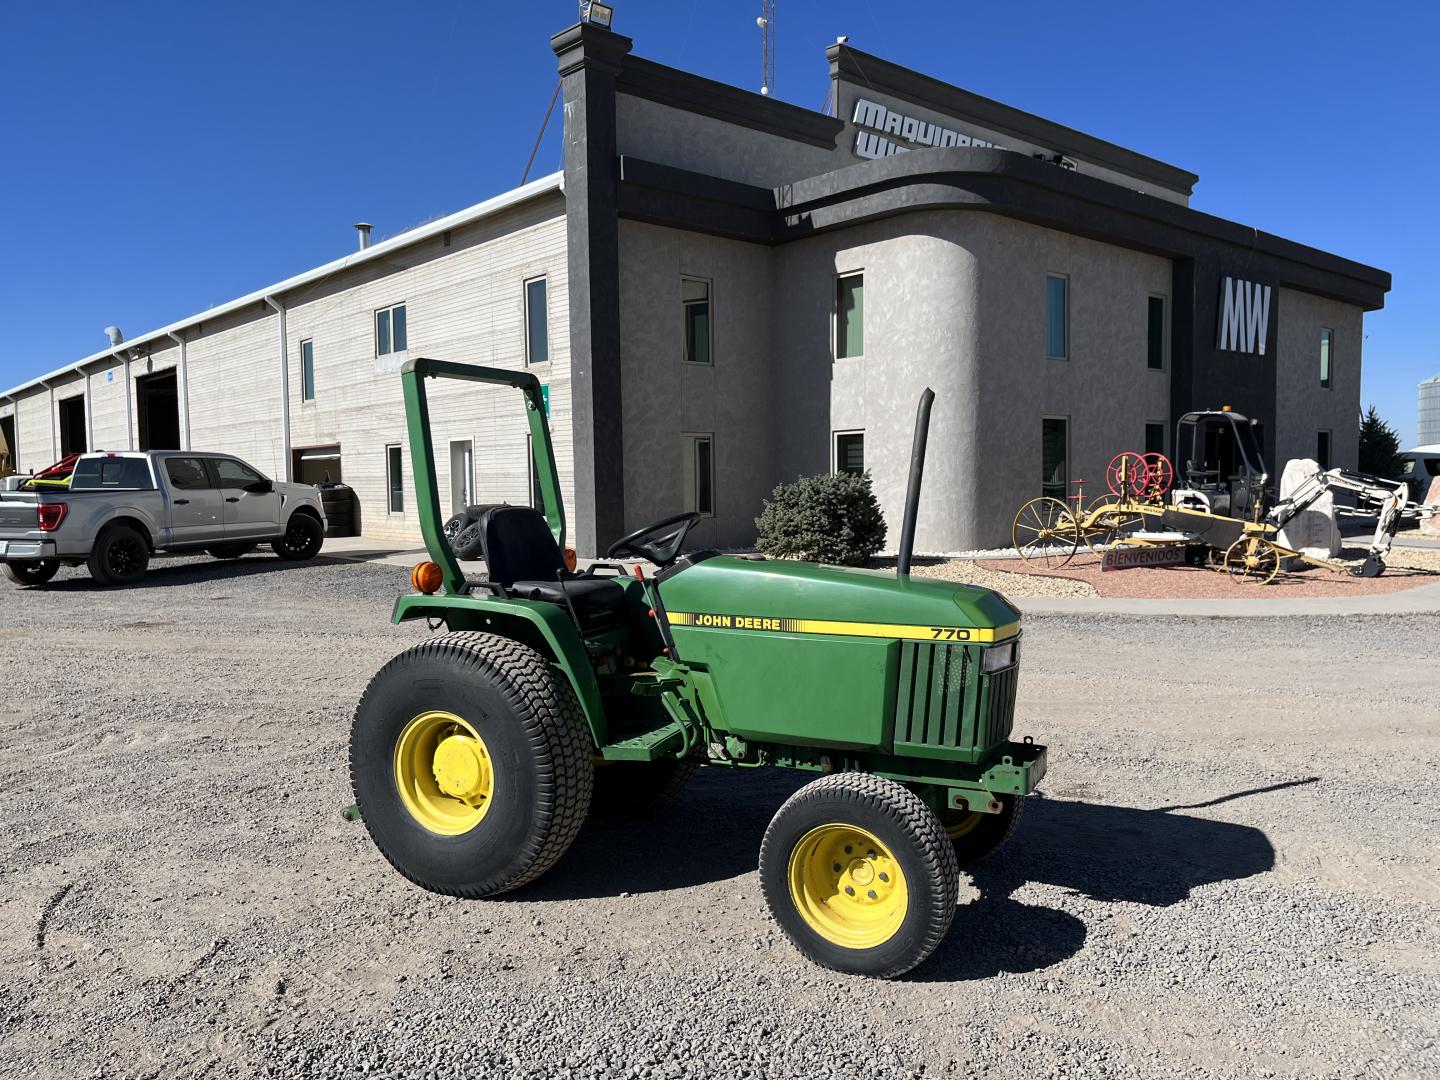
(114,334)
(284,465)
(363,228)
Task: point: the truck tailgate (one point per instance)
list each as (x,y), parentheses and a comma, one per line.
(17,512)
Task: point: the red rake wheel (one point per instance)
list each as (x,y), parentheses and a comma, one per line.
(1127,475)
(1160,474)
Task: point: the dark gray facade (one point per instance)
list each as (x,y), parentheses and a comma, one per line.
(955,210)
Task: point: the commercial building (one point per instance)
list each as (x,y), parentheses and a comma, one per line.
(722,291)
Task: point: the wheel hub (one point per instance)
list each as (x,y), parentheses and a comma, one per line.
(462,769)
(847,886)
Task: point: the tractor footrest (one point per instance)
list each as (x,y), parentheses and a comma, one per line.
(661,742)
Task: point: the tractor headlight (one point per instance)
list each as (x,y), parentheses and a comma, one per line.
(997,657)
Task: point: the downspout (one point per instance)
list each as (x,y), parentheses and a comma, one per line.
(15,433)
(285,462)
(124,356)
(184,368)
(89,415)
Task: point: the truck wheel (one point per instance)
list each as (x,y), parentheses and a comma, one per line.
(469,542)
(230,551)
(976,836)
(32,571)
(119,557)
(637,787)
(860,875)
(471,764)
(303,536)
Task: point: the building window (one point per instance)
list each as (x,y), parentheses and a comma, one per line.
(395,478)
(1154,438)
(850,452)
(699,467)
(390,330)
(1322,448)
(1057,335)
(537,322)
(1155,334)
(307,370)
(1327,346)
(849,316)
(696,298)
(1054,456)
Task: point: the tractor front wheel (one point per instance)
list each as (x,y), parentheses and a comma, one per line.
(860,875)
(471,764)
(976,836)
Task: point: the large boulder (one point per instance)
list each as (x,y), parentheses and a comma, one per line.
(1430,523)
(1314,531)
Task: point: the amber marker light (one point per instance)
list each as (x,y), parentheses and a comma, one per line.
(571,559)
(427,577)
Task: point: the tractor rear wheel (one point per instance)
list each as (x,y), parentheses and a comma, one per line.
(638,787)
(976,836)
(860,875)
(471,764)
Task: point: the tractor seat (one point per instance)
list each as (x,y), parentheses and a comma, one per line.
(592,596)
(522,556)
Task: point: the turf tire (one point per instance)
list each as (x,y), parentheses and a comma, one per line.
(987,833)
(528,716)
(638,787)
(119,557)
(32,571)
(899,819)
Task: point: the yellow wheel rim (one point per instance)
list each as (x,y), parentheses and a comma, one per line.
(444,773)
(847,886)
(964,825)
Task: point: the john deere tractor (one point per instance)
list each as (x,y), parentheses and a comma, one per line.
(477,755)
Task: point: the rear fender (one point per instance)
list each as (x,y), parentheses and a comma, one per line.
(544,627)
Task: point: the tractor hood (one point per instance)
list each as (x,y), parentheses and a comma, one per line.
(751,593)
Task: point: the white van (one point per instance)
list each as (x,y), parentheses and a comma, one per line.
(1419,468)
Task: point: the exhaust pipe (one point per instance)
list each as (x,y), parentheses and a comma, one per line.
(912,489)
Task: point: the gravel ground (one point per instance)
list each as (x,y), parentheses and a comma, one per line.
(1232,871)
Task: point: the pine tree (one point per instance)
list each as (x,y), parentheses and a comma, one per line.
(1379,446)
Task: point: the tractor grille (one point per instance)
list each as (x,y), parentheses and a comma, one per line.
(944,702)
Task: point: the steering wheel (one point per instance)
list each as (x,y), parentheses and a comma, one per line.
(659,543)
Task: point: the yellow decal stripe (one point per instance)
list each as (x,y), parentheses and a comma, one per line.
(907,631)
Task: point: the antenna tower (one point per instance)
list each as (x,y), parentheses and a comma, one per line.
(766,23)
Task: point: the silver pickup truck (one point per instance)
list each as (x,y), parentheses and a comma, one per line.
(120,508)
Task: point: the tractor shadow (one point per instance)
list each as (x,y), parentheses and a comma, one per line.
(1106,854)
(711,832)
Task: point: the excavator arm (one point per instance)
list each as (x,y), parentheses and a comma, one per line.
(1389,495)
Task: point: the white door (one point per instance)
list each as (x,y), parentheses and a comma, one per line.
(462,475)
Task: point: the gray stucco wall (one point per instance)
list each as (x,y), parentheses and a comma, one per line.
(655,132)
(1303,406)
(666,398)
(956,301)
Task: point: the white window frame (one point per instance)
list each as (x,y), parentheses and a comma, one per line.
(835,445)
(525,304)
(1045,310)
(375,329)
(1164,331)
(709,284)
(689,459)
(390,480)
(835,356)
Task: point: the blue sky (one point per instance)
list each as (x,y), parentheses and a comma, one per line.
(164,157)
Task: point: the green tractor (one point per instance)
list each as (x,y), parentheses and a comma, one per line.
(476,756)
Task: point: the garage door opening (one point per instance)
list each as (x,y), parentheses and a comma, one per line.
(158,399)
(317,465)
(72,426)
(7,446)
